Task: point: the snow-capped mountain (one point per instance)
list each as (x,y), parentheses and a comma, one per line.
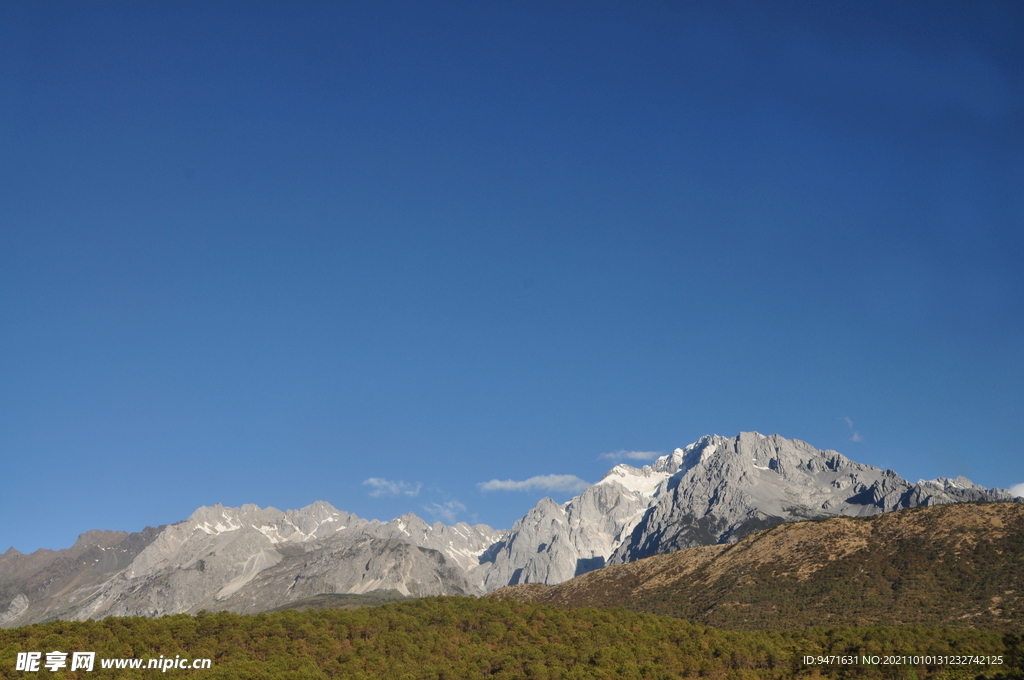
(555,542)
(716,490)
(726,488)
(241,559)
(252,559)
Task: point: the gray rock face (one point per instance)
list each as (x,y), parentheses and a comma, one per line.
(716,490)
(17,607)
(553,542)
(208,557)
(49,584)
(461,544)
(727,488)
(252,559)
(354,563)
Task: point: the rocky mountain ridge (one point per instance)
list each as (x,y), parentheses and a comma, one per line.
(241,559)
(724,488)
(715,491)
(951,565)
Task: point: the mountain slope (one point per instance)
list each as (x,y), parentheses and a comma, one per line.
(555,542)
(248,559)
(243,559)
(960,565)
(48,584)
(468,638)
(716,490)
(726,488)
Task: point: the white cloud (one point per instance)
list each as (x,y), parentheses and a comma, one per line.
(855,437)
(448,511)
(1017,490)
(630,455)
(545,482)
(386,487)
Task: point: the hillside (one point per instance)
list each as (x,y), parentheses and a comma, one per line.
(959,565)
(458,637)
(250,559)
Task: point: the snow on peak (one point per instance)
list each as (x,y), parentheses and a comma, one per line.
(219,527)
(645,480)
(272,533)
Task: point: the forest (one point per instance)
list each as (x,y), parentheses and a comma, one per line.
(446,638)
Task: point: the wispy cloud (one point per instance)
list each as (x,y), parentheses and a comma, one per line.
(386,487)
(544,482)
(1017,490)
(447,511)
(855,437)
(630,455)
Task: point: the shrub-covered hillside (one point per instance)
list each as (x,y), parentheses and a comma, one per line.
(951,565)
(479,638)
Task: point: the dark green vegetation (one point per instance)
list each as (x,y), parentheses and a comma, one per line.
(925,582)
(345,600)
(954,565)
(480,638)
(1013,660)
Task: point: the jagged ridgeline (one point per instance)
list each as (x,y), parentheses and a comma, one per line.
(250,559)
(959,565)
(473,638)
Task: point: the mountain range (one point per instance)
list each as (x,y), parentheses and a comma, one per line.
(951,565)
(714,492)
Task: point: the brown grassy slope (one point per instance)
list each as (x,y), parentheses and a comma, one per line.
(956,565)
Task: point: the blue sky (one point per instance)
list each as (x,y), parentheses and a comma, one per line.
(257,253)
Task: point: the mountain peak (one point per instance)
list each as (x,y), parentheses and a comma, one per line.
(775,578)
(714,491)
(726,488)
(646,480)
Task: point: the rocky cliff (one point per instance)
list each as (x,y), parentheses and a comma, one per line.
(951,565)
(713,492)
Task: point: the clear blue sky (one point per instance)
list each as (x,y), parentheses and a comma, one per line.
(263,253)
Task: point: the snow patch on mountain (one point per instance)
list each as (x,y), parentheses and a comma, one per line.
(726,488)
(251,559)
(646,480)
